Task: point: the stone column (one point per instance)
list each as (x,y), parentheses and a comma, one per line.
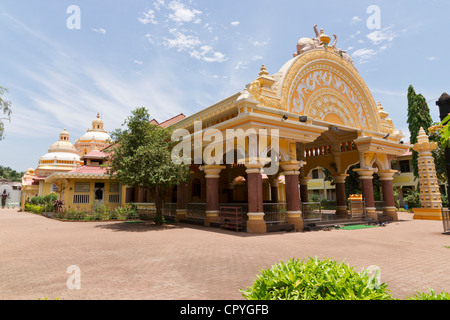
(274,184)
(182,199)
(387,177)
(212,174)
(366,178)
(255,223)
(304,196)
(341,201)
(291,172)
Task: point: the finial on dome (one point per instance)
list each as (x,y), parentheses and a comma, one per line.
(263,71)
(324,38)
(98,115)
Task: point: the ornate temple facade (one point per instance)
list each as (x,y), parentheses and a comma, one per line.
(326,118)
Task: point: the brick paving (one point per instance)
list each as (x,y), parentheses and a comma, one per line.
(123,261)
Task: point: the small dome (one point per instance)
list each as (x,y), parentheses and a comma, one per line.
(94,136)
(62,156)
(63,145)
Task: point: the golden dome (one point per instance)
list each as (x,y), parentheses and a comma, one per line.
(63,145)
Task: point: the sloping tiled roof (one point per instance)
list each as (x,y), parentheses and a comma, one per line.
(169,122)
(95,154)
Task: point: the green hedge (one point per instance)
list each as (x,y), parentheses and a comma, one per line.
(315,279)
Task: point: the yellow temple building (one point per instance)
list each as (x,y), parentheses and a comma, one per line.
(74,172)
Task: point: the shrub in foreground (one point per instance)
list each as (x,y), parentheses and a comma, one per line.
(430,296)
(316,279)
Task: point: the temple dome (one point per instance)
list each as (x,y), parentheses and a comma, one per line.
(96,137)
(62,155)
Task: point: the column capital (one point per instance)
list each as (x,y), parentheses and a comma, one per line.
(387,174)
(254,168)
(365,174)
(212,171)
(291,168)
(339,178)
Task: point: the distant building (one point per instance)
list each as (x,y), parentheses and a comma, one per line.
(13,190)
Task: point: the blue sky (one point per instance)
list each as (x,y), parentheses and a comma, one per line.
(181,56)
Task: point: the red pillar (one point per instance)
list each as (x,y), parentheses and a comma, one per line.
(366,177)
(212,174)
(341,201)
(256,222)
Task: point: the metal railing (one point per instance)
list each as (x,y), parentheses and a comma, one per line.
(275,212)
(170,209)
(196,210)
(446,219)
(311,211)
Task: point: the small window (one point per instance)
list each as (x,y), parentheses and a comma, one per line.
(82,187)
(114,187)
(404,166)
(315,174)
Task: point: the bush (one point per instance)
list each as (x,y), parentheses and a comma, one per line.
(430,296)
(50,198)
(315,280)
(33,208)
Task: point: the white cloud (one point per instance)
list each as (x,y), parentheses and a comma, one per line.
(356,19)
(183,14)
(100,30)
(158,4)
(364,55)
(257,43)
(138,62)
(207,54)
(235,23)
(430,58)
(383,35)
(257,58)
(182,41)
(149,17)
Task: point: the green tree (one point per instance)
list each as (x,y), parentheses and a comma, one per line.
(5,111)
(418,117)
(10,174)
(141,157)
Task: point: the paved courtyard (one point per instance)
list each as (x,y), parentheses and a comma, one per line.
(139,261)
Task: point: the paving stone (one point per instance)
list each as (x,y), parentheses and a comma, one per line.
(183,262)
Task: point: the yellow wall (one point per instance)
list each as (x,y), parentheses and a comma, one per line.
(69,191)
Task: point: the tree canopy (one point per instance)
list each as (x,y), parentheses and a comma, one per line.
(418,117)
(141,157)
(10,174)
(5,111)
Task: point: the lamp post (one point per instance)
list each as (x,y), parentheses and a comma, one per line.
(444,110)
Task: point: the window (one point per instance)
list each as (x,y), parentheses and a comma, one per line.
(82,187)
(81,198)
(114,198)
(315,174)
(114,187)
(404,166)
